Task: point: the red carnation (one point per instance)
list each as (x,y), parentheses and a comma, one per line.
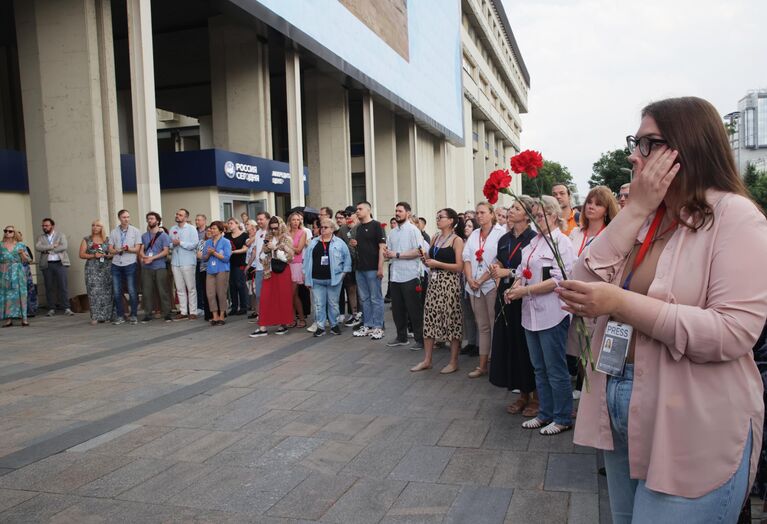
(479,254)
(528,162)
(383,225)
(527,273)
(498,180)
(418,289)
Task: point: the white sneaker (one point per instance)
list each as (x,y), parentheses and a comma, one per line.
(312,328)
(69,312)
(576,394)
(377,334)
(363,331)
(340,319)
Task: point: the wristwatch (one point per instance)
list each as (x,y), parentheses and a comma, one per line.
(397,254)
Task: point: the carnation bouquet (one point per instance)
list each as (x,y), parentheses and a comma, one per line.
(499,181)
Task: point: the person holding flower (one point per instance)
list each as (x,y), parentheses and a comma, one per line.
(543,319)
(478,254)
(13,281)
(94,249)
(275,307)
(682,266)
(216,255)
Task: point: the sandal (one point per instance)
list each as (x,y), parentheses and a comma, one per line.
(25,323)
(8,324)
(420,367)
(531,410)
(535,423)
(516,407)
(478,372)
(301,324)
(555,429)
(292,325)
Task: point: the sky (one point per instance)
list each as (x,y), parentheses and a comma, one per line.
(594,64)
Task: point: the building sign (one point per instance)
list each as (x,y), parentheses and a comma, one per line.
(13,171)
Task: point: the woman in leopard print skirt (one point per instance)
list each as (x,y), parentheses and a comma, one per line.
(442,315)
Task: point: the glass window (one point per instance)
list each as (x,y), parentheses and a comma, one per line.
(749,127)
(761,125)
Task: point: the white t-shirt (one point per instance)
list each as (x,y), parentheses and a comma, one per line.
(490,250)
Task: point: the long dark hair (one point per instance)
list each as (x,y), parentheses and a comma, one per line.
(457,221)
(693,127)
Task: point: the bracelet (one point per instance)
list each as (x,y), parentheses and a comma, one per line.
(528,291)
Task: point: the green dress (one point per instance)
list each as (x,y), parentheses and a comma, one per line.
(13,282)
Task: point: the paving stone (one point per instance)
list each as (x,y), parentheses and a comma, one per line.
(381,428)
(544,507)
(37,509)
(169,443)
(289,451)
(170,482)
(507,433)
(605,514)
(123,479)
(331,456)
(471,466)
(243,490)
(422,503)
(422,463)
(425,432)
(103,439)
(124,444)
(520,469)
(480,505)
(571,472)
(562,443)
(206,446)
(465,434)
(584,508)
(66,475)
(367,501)
(13,497)
(344,427)
(306,425)
(271,421)
(289,399)
(313,497)
(377,460)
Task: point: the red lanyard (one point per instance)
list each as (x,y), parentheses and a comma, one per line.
(531,253)
(482,241)
(648,240)
(516,248)
(324,246)
(586,236)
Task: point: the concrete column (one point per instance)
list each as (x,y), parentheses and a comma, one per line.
(407,156)
(386,180)
(425,183)
(240,93)
(295,129)
(441,176)
(516,180)
(368,127)
(111,129)
(480,166)
(328,143)
(61,91)
(141,54)
(490,160)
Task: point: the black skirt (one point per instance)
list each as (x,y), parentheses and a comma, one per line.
(510,365)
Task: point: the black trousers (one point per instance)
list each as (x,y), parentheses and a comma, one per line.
(406,303)
(55,277)
(202,296)
(238,290)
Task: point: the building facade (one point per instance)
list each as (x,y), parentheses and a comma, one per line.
(748,131)
(222,107)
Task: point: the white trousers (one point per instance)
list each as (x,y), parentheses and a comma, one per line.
(186,288)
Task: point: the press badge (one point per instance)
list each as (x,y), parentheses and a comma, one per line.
(149,254)
(212,263)
(325,260)
(615,348)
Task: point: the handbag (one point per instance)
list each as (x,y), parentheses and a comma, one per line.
(278,266)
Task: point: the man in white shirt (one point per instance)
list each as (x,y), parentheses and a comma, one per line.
(404,252)
(124,244)
(183,240)
(255,246)
(54,262)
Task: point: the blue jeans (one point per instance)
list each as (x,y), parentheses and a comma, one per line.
(552,380)
(630,499)
(129,272)
(370,298)
(325,302)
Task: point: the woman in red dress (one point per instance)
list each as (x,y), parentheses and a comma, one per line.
(276,304)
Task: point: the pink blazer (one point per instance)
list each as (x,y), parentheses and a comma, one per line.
(696,389)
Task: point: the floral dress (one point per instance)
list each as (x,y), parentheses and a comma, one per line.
(98,280)
(13,282)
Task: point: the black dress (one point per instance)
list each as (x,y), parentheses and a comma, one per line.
(510,365)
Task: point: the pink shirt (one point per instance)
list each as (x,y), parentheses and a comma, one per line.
(298,257)
(541,312)
(696,386)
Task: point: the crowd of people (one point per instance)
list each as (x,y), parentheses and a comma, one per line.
(674,263)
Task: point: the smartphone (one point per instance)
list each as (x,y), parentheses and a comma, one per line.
(546,273)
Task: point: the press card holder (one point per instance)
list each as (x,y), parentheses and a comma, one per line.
(615,348)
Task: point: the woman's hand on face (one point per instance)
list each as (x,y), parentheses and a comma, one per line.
(650,185)
(589,299)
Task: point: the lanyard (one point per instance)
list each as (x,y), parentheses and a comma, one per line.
(153,240)
(527,265)
(324,246)
(435,248)
(123,236)
(584,244)
(50,239)
(514,252)
(648,240)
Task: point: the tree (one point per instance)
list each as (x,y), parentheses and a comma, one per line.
(548,175)
(608,170)
(756,183)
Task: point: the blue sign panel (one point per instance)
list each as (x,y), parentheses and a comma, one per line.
(13,171)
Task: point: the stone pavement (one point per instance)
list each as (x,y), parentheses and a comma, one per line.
(183,422)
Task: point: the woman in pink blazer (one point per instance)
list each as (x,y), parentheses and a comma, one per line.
(682,267)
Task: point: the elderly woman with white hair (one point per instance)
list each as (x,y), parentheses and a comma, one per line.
(544,320)
(326,263)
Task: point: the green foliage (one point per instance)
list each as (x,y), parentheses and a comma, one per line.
(548,175)
(756,183)
(607,170)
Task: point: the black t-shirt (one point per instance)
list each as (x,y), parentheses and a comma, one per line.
(320,272)
(237,259)
(369,237)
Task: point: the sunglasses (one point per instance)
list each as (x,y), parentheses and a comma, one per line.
(6,231)
(274,229)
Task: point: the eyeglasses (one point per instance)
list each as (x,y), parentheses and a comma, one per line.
(440,217)
(645,144)
(622,195)
(274,229)
(7,231)
(325,227)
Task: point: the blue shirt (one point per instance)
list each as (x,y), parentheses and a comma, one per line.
(184,254)
(340,260)
(222,247)
(153,247)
